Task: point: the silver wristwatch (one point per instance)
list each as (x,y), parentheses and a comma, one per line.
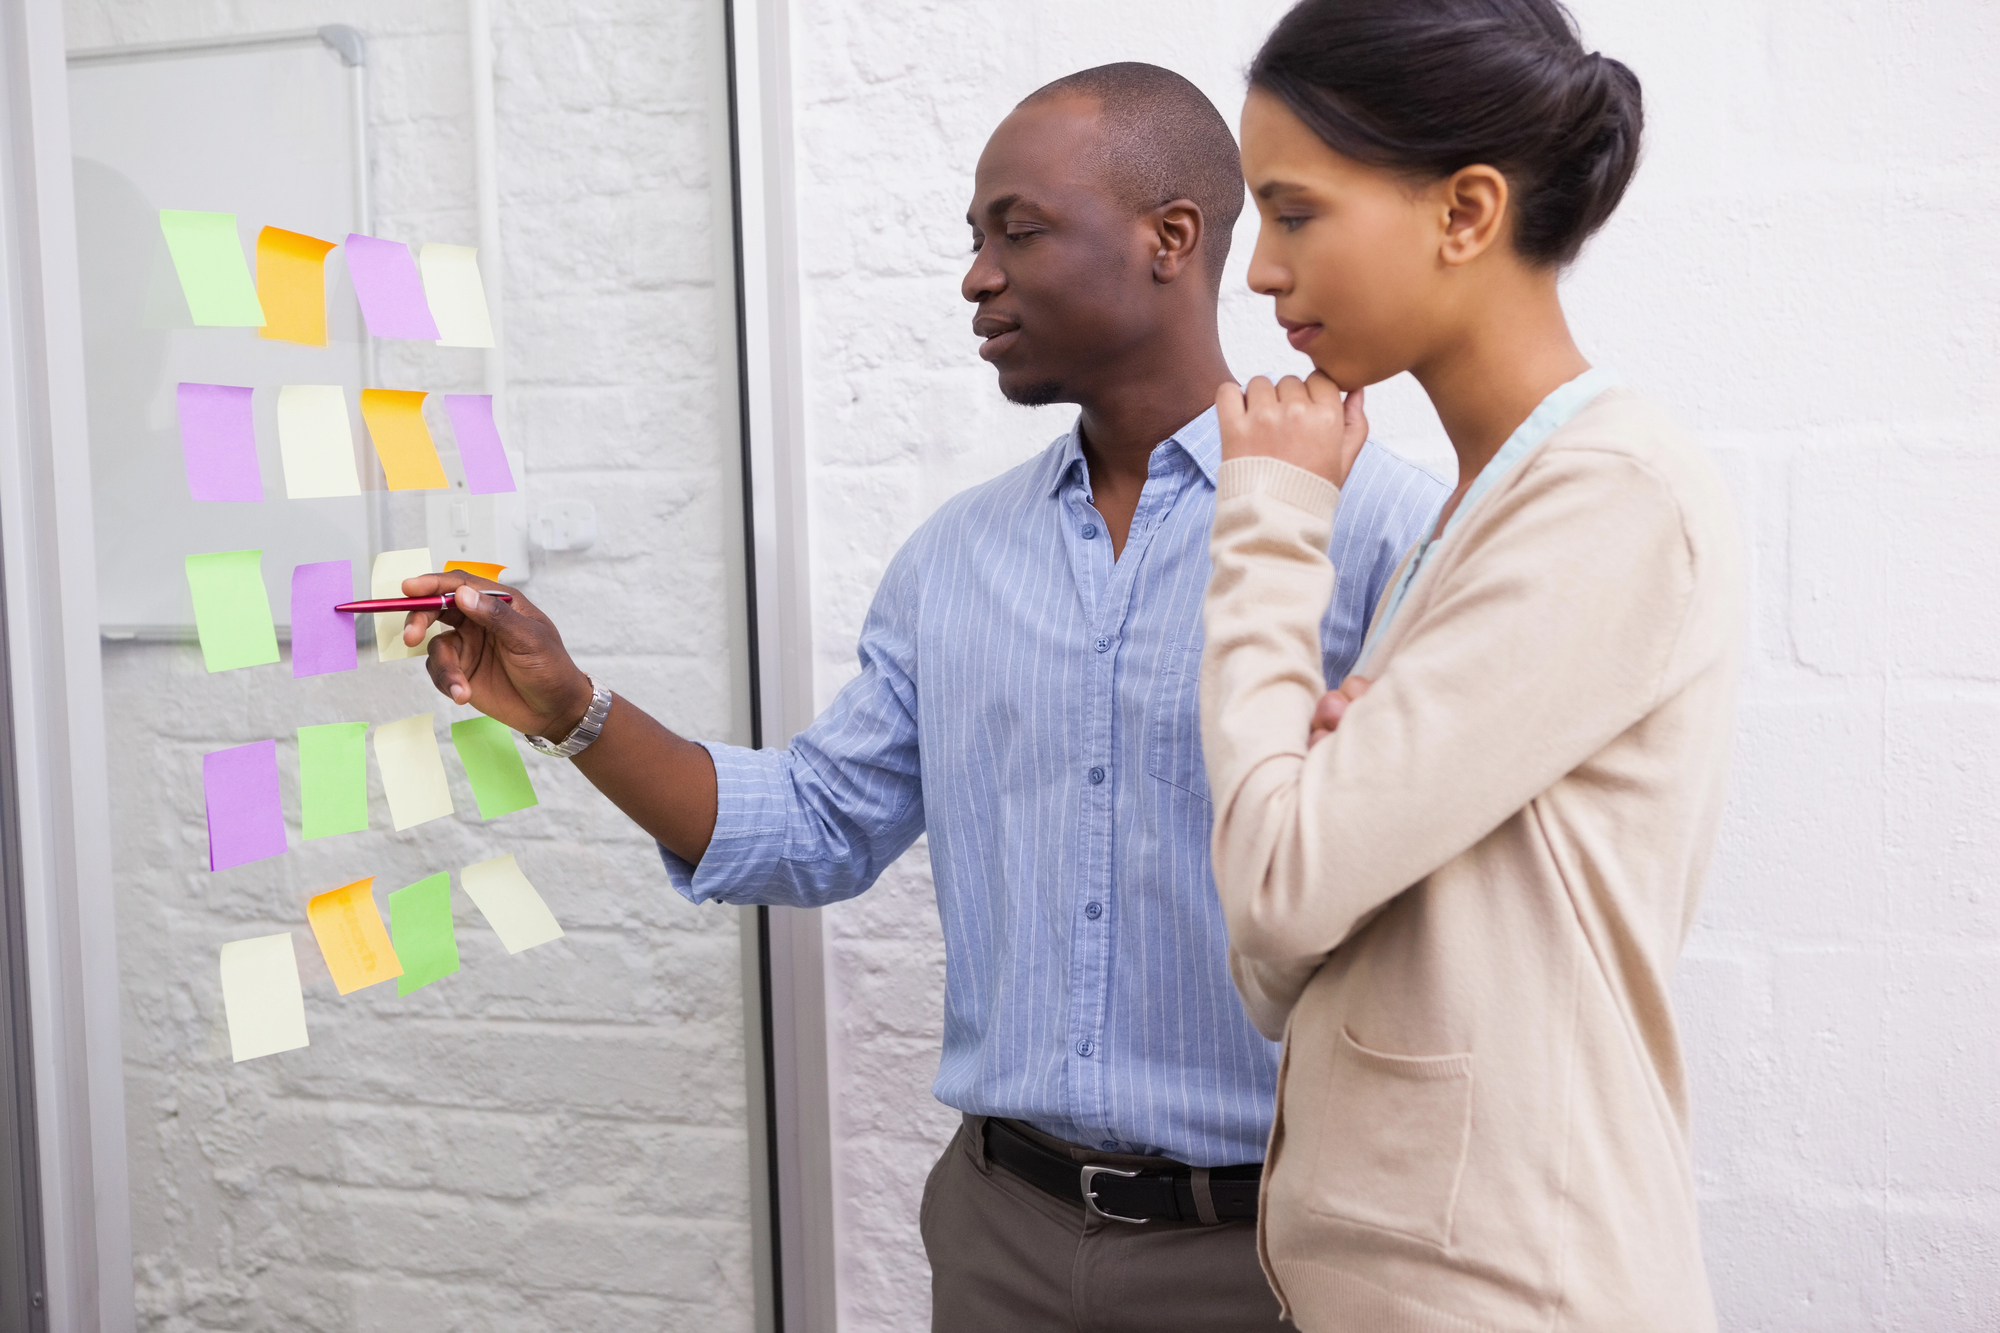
(585,732)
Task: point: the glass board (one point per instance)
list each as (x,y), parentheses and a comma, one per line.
(543,1122)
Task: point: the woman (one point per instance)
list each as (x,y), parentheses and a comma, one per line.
(1458,894)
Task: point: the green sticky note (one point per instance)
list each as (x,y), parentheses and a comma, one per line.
(499,778)
(232,612)
(214,277)
(333,779)
(420,930)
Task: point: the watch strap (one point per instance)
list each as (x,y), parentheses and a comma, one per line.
(586,731)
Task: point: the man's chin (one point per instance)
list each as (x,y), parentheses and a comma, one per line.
(1032,393)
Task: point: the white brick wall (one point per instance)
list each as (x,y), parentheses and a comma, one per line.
(545,1143)
(1804,272)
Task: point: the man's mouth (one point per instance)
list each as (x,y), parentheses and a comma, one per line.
(999,333)
(1299,334)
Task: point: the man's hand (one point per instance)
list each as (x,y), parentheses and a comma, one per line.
(1307,423)
(1332,707)
(505,660)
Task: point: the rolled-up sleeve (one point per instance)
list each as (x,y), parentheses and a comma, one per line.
(817,822)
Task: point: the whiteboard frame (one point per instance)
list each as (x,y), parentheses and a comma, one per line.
(352,47)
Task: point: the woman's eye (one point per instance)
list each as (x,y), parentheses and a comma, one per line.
(1292,222)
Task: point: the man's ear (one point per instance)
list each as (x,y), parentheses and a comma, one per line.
(1176,232)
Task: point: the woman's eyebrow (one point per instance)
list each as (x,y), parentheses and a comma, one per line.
(1271,189)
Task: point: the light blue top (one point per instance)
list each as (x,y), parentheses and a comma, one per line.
(1550,415)
(1031,705)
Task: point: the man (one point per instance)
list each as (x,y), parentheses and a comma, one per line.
(1027,697)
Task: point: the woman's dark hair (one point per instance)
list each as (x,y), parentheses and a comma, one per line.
(1430,87)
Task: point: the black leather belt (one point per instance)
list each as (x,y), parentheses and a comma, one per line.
(1187,1194)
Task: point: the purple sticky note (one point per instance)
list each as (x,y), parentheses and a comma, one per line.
(322,638)
(479,449)
(245,821)
(219,442)
(390,289)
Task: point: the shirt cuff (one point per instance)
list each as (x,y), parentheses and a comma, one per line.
(1280,480)
(752,802)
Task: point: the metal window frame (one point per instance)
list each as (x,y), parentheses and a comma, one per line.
(791,980)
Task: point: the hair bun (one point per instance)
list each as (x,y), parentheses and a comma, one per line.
(1434,86)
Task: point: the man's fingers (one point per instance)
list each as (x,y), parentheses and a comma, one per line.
(1332,706)
(1355,686)
(516,633)
(446,669)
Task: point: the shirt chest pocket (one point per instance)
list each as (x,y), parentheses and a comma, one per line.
(1173,732)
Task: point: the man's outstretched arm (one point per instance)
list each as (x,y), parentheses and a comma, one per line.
(508,661)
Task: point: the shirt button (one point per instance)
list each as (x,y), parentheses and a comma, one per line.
(1093,910)
(1103,645)
(1096,776)
(1109,1145)
(1085,1047)
(1089,531)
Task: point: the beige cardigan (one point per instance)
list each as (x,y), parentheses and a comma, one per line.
(1462,908)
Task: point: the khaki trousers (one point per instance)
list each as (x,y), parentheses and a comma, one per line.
(1007,1258)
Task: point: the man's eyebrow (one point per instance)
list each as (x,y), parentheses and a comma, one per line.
(1006,203)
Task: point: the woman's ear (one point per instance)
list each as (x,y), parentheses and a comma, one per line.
(1176,232)
(1476,200)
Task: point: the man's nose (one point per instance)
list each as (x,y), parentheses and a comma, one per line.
(984,279)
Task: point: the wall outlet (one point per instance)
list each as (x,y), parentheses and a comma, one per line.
(564,525)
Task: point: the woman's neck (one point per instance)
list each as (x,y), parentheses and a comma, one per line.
(1489,381)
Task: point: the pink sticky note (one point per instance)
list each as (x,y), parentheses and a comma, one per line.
(219,442)
(479,449)
(245,821)
(390,289)
(322,638)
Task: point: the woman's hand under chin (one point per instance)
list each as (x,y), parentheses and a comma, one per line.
(1307,423)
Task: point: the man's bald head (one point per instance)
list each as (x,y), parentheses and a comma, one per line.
(1162,140)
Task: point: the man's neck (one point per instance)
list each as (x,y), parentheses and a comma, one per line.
(1127,417)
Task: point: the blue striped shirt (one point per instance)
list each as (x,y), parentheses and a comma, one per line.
(1031,705)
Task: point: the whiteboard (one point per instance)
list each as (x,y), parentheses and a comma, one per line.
(271,132)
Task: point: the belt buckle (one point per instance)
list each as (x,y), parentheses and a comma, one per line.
(1089,1175)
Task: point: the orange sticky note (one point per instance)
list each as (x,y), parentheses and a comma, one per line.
(291,285)
(479,569)
(351,936)
(395,420)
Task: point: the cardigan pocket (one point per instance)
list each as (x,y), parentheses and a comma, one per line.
(1393,1140)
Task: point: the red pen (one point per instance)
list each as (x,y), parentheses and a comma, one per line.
(383,605)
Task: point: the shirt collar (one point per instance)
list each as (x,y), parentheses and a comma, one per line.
(1200,440)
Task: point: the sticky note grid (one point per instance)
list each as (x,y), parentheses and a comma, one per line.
(280,289)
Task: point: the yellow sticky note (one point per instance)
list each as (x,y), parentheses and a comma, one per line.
(456,296)
(351,936)
(262,996)
(412,771)
(477,568)
(291,285)
(395,420)
(509,903)
(386,580)
(316,441)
